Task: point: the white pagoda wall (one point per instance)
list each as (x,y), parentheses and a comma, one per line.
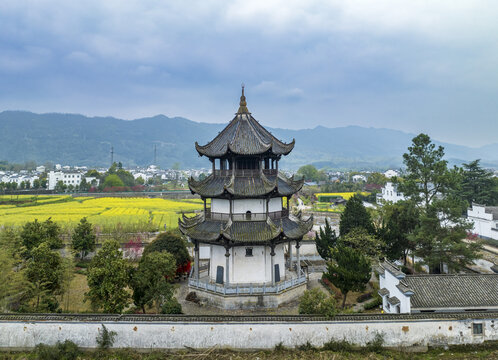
(247,269)
(243,205)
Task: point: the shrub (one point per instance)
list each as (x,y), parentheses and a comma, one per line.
(373,304)
(172,306)
(64,351)
(307,347)
(105,339)
(279,347)
(376,345)
(338,346)
(315,302)
(364,297)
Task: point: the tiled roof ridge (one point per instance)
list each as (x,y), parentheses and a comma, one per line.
(449,275)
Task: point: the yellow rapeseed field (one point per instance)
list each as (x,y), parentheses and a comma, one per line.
(105,212)
(344,195)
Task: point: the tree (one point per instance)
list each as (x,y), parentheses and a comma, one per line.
(316,302)
(478,185)
(60,186)
(358,238)
(355,215)
(172,243)
(349,270)
(429,184)
(399,220)
(34,233)
(84,238)
(45,271)
(426,171)
(108,277)
(309,172)
(36,184)
(13,284)
(325,240)
(377,178)
(151,281)
(113,180)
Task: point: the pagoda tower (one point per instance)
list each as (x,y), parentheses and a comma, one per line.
(248,225)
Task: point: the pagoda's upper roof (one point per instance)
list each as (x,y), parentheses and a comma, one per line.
(240,232)
(245,186)
(244,136)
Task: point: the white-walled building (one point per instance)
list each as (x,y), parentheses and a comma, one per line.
(390,193)
(484,220)
(391,173)
(407,294)
(359,178)
(68,178)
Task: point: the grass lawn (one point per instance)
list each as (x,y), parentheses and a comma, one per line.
(72,301)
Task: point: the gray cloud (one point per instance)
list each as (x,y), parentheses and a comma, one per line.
(410,65)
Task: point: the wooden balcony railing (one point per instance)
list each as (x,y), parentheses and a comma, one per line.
(245,172)
(247,217)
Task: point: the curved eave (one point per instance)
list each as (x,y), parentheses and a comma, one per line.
(245,232)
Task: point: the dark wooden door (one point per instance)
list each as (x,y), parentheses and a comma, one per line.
(277,273)
(219,275)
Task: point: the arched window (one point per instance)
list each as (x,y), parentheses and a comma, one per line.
(248,215)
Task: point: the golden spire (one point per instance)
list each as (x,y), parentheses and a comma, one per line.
(243,105)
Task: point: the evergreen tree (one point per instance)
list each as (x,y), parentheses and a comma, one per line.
(355,215)
(325,240)
(34,233)
(84,238)
(399,220)
(358,238)
(45,271)
(108,277)
(429,183)
(173,244)
(151,281)
(478,185)
(349,270)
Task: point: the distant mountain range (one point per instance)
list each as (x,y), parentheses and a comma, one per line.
(80,140)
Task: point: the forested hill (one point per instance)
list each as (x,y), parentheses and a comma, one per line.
(80,140)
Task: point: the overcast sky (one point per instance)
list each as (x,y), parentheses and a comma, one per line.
(416,66)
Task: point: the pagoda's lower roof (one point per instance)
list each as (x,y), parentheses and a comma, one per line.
(243,232)
(245,186)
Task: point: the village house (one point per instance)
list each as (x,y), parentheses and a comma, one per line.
(484,220)
(405,294)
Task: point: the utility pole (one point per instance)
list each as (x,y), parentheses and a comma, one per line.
(112,155)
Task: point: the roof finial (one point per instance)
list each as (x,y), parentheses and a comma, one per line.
(243,105)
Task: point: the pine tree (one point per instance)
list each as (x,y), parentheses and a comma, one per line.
(325,240)
(349,270)
(84,238)
(478,185)
(434,188)
(355,215)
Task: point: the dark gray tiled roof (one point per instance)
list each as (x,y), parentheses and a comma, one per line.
(403,287)
(383,292)
(386,265)
(244,136)
(393,300)
(245,186)
(205,230)
(453,291)
(492,210)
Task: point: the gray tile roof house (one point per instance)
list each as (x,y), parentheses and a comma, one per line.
(436,293)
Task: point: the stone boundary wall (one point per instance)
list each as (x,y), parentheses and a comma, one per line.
(246,332)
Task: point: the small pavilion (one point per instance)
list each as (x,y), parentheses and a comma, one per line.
(247,225)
